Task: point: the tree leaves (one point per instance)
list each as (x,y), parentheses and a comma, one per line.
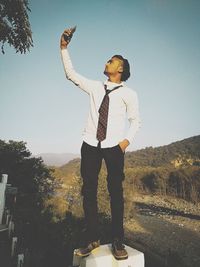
(15,28)
(28,174)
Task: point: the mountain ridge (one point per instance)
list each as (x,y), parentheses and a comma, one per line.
(57,159)
(186,150)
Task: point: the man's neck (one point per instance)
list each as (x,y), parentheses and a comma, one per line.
(114,79)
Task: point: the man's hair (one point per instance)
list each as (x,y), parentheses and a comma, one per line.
(126,68)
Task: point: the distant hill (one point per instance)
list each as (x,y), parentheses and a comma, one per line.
(179,153)
(56,159)
(169,170)
(184,152)
(172,170)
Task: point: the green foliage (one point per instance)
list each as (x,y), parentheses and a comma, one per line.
(15,28)
(33,179)
(29,174)
(33,223)
(165,155)
(185,183)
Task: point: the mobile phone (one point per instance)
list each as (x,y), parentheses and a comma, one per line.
(67,38)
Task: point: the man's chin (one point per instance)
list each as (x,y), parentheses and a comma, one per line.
(105,72)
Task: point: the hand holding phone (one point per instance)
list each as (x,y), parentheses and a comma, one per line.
(66,37)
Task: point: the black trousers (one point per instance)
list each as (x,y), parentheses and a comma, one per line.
(91,161)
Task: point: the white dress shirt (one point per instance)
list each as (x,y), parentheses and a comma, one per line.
(123,105)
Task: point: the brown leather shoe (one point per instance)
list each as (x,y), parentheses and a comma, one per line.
(118,250)
(83,252)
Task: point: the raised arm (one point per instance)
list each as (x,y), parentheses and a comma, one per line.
(79,80)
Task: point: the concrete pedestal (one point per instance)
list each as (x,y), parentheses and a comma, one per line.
(102,257)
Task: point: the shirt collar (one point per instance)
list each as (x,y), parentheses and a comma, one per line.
(111,85)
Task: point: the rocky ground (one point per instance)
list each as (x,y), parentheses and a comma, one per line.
(167,230)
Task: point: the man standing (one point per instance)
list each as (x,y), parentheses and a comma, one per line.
(104,138)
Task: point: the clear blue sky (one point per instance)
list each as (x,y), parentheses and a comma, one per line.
(160,38)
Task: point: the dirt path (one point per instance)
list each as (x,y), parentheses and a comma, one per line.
(167,229)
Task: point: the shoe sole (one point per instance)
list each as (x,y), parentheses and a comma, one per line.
(120,257)
(86,255)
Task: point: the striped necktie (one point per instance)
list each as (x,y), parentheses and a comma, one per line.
(103,114)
